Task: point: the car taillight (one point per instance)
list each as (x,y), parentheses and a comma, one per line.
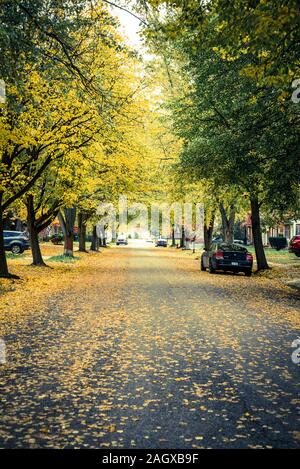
(249,256)
(219,255)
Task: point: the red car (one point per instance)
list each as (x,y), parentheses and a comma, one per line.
(294,245)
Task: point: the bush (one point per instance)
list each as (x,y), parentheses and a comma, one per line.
(278,242)
(56,238)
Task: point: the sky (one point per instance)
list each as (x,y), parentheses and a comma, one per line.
(129,26)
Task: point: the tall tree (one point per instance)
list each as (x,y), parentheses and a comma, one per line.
(245,134)
(66,85)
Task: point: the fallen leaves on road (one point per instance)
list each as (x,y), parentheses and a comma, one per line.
(138,350)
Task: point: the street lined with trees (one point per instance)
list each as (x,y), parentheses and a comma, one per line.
(137,345)
(86,120)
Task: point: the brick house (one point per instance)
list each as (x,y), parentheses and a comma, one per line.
(287,229)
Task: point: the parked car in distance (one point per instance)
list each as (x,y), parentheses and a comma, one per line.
(16,241)
(149,241)
(294,245)
(122,239)
(162,242)
(217,239)
(227,257)
(241,242)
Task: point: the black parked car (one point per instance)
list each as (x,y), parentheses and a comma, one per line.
(16,241)
(162,242)
(231,257)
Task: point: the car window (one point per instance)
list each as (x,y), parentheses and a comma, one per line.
(232,247)
(9,234)
(12,234)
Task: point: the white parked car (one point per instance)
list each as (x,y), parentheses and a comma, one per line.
(122,239)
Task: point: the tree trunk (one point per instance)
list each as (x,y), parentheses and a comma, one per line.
(104,236)
(261,260)
(208,232)
(69,245)
(3,262)
(173,237)
(67,225)
(82,232)
(7,221)
(227,223)
(182,239)
(95,240)
(37,258)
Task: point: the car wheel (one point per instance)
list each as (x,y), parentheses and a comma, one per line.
(211,268)
(203,269)
(297,253)
(248,273)
(16,249)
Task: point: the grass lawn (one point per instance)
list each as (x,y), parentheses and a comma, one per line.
(37,285)
(62,258)
(279,257)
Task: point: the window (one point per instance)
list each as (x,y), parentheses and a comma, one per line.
(232,247)
(287,231)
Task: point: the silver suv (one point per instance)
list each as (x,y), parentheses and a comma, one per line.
(16,241)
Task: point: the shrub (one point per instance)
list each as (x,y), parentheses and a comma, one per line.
(56,238)
(278,242)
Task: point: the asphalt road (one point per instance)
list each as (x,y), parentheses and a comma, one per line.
(149,352)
